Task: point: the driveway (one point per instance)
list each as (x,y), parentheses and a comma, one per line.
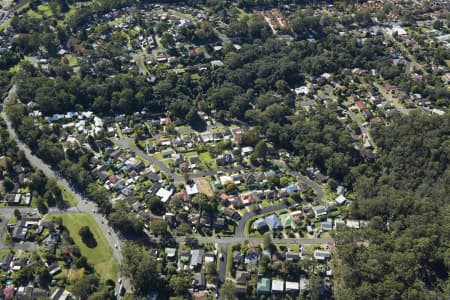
(240,230)
(125,143)
(139,59)
(223,262)
(82,204)
(304,179)
(363,129)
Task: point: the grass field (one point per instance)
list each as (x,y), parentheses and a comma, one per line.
(68,197)
(100,256)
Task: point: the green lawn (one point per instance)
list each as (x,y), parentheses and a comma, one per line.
(207,160)
(33,14)
(229,261)
(326,235)
(73,61)
(100,256)
(205,157)
(45,9)
(265,203)
(249,224)
(4,25)
(68,197)
(158,156)
(190,154)
(119,131)
(23,8)
(195,77)
(290,247)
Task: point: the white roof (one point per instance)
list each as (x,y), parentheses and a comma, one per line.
(224,179)
(217,63)
(191,189)
(290,285)
(438,112)
(87,114)
(303,282)
(321,254)
(340,199)
(326,75)
(352,224)
(400,30)
(277,285)
(209,259)
(247,149)
(98,122)
(302,90)
(164,194)
(68,125)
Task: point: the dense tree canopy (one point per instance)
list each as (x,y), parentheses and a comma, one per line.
(404,251)
(141,268)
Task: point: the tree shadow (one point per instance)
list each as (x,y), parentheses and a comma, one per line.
(89,240)
(199,125)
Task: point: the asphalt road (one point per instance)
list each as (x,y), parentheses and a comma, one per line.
(256,241)
(400,107)
(304,179)
(363,129)
(240,229)
(125,144)
(139,59)
(82,205)
(6,214)
(223,262)
(224,242)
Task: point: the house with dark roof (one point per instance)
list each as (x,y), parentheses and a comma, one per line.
(251,258)
(199,281)
(242,277)
(319,210)
(322,255)
(219,224)
(6,261)
(19,232)
(229,213)
(237,257)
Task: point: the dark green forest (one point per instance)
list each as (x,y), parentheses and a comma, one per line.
(404,253)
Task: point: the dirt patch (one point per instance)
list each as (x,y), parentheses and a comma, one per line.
(204,186)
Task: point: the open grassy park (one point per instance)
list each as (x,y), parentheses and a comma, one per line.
(101,256)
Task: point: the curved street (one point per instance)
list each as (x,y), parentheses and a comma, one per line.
(125,144)
(82,204)
(113,239)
